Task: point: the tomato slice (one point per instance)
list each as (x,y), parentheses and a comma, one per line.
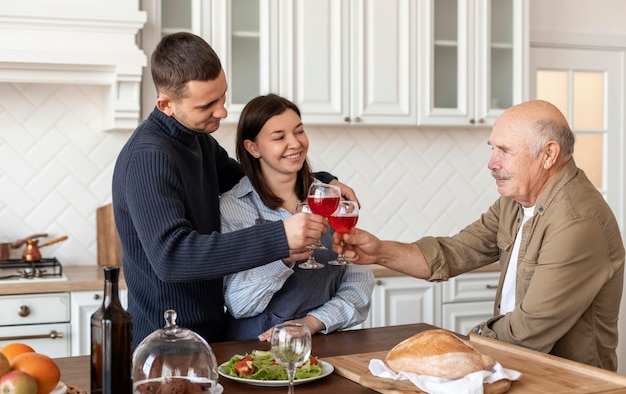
(244,366)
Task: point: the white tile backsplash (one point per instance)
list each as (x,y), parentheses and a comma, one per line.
(56,165)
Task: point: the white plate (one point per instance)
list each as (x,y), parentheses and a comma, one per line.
(61,388)
(327,369)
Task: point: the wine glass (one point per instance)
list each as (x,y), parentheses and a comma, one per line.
(291,347)
(311,263)
(323,198)
(342,221)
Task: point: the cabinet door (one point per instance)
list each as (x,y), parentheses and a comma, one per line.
(403,300)
(244,34)
(447,62)
(316,64)
(83,305)
(502,49)
(472,286)
(353,62)
(461,317)
(474,57)
(384,62)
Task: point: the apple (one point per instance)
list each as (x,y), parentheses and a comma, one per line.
(17,382)
(5,365)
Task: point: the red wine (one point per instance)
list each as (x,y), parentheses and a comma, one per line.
(324,206)
(111,330)
(343,224)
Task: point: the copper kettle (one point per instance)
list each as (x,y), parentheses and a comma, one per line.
(31,251)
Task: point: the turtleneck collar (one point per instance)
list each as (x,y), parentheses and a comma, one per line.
(172,127)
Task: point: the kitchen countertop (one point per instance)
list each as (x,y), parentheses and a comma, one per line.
(91,277)
(79,278)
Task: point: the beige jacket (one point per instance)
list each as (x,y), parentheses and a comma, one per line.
(569,275)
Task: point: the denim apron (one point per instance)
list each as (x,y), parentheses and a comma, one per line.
(302,292)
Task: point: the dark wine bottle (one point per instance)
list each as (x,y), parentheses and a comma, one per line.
(111,330)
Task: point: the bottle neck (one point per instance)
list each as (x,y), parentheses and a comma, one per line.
(111,291)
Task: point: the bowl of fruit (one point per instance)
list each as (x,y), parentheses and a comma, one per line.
(25,371)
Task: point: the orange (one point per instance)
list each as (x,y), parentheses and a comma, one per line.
(41,367)
(14,349)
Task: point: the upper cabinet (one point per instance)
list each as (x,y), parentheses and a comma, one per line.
(244,33)
(363,62)
(351,62)
(473,59)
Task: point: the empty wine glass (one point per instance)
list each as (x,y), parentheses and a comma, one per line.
(342,221)
(291,347)
(323,198)
(311,263)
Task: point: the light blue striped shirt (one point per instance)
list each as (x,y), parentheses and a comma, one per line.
(249,292)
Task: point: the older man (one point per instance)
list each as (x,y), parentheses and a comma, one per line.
(557,240)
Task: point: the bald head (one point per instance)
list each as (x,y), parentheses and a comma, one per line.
(543,122)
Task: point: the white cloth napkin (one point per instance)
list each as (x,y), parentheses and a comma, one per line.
(469,384)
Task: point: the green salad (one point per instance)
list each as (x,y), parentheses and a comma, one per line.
(260,365)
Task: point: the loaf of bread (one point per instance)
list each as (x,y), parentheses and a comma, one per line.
(437,353)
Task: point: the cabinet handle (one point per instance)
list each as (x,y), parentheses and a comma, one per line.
(96,296)
(379,282)
(472,121)
(357,119)
(346,119)
(491,287)
(52,335)
(481,120)
(23,311)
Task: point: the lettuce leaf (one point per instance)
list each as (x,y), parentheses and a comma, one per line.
(267,369)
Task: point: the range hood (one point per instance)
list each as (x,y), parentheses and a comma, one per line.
(77,42)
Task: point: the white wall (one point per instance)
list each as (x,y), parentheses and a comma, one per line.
(598,17)
(56,166)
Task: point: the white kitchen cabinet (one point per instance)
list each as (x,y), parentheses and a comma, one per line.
(244,33)
(41,321)
(351,62)
(341,61)
(474,60)
(467,300)
(404,300)
(83,305)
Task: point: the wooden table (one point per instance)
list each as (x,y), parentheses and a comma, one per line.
(75,370)
(350,352)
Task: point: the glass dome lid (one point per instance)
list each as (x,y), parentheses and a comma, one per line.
(174,357)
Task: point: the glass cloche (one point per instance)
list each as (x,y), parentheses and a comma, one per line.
(174,360)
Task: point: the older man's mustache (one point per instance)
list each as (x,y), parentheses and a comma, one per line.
(500,175)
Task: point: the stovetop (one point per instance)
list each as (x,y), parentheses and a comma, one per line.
(17,269)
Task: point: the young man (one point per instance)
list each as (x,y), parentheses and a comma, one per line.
(166,187)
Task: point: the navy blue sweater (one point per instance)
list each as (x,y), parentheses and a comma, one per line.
(166,186)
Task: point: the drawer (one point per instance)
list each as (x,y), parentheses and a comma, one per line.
(50,339)
(34,308)
(478,286)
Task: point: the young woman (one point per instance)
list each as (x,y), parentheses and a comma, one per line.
(272,149)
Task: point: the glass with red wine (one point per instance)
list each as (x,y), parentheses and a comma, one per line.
(323,198)
(342,221)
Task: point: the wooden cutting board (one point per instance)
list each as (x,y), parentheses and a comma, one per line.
(355,368)
(541,373)
(109,248)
